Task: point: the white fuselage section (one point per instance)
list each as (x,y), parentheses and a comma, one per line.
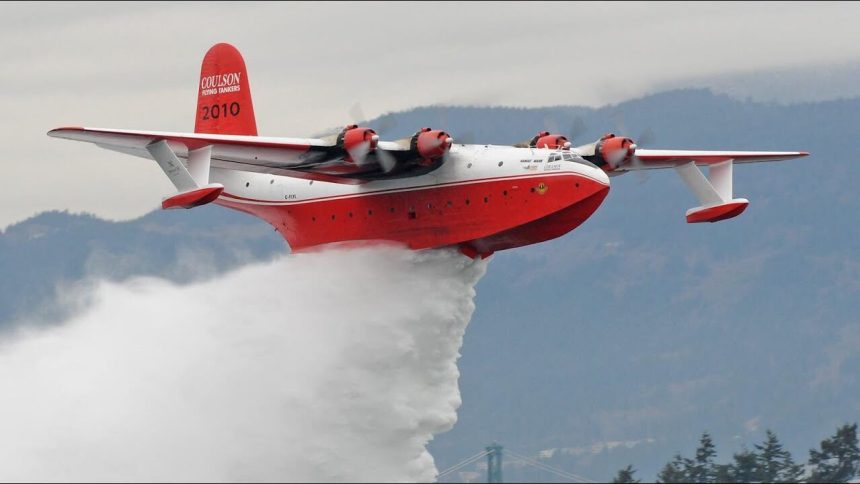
(464,163)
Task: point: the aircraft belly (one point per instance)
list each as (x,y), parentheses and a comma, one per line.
(442,215)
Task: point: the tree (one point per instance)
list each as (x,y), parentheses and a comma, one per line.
(724,473)
(703,469)
(774,463)
(700,469)
(838,459)
(674,471)
(744,468)
(625,476)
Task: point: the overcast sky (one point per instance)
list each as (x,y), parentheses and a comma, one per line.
(136,66)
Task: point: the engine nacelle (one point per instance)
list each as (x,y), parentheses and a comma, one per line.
(357,142)
(552,141)
(611,151)
(431,144)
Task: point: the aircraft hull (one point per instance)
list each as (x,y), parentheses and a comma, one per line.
(480,216)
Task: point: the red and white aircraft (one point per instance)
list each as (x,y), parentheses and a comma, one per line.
(424,191)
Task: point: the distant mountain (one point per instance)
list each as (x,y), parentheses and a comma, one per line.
(805,83)
(622,341)
(43,254)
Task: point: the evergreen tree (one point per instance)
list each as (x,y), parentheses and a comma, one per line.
(724,473)
(744,468)
(839,457)
(675,471)
(625,476)
(774,463)
(703,468)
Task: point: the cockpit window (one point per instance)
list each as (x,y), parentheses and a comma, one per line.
(568,157)
(553,158)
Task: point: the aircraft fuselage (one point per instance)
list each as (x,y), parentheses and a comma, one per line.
(484,198)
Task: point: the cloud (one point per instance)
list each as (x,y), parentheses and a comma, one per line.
(100,65)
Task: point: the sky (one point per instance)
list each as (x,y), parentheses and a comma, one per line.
(136,66)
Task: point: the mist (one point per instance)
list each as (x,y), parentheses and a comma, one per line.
(329,366)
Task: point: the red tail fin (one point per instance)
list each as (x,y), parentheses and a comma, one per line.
(224,98)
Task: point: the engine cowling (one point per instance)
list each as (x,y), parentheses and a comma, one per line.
(614,150)
(357,141)
(545,139)
(431,144)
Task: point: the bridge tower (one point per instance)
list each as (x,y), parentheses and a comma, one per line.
(494,463)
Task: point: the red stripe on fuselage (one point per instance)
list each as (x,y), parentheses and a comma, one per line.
(437,215)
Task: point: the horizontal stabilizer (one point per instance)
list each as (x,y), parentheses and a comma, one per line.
(193,198)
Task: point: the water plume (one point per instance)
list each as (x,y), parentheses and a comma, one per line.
(331,366)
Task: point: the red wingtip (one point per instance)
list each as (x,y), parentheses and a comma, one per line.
(717,213)
(193,198)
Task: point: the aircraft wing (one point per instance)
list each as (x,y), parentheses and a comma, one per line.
(650,159)
(715,192)
(312,159)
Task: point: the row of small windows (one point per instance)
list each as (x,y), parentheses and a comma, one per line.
(411,213)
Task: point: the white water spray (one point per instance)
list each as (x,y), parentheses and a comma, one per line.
(338,365)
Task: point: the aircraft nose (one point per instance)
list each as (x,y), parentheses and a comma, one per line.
(598,175)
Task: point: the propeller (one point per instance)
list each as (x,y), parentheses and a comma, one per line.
(577,128)
(356,113)
(386,160)
(359,152)
(385,123)
(551,126)
(645,138)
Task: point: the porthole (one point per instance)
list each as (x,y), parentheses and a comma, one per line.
(313,219)
(370,212)
(429,205)
(332,217)
(577,184)
(467,201)
(272,181)
(501,163)
(469,165)
(505,193)
(247,184)
(486,199)
(350,214)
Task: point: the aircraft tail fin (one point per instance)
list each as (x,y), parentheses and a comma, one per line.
(224,95)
